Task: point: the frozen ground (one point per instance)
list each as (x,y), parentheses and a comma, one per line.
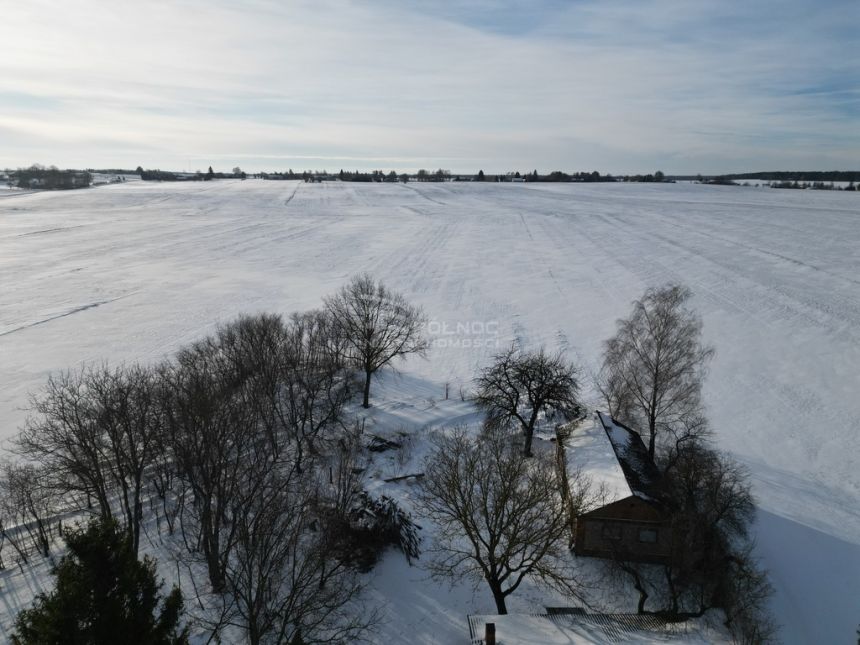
(132,271)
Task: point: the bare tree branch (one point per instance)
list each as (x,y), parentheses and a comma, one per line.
(375,326)
(500,517)
(520,386)
(654,366)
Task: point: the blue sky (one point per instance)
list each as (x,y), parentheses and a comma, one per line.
(612,85)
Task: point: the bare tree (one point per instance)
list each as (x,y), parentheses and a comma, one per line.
(710,563)
(745,599)
(257,396)
(297,382)
(520,386)
(688,432)
(249,352)
(131,417)
(654,366)
(713,510)
(376,325)
(65,435)
(97,431)
(314,382)
(501,518)
(28,505)
(214,436)
(285,585)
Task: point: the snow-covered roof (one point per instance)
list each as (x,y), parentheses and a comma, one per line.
(613,457)
(583,628)
(588,450)
(639,469)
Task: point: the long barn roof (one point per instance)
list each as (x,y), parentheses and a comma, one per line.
(640,472)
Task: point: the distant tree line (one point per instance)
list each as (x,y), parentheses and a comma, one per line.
(797,184)
(53,178)
(373,176)
(438,175)
(278,175)
(431,175)
(805,175)
(50,178)
(657,177)
(112,171)
(559,176)
(534,176)
(717,181)
(815,185)
(167,175)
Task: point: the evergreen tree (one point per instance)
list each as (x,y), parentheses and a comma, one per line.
(104,595)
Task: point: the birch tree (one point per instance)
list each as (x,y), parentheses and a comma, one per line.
(654,366)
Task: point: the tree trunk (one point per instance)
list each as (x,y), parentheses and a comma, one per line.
(138,515)
(637,585)
(527,449)
(652,426)
(366,402)
(643,597)
(530,431)
(673,594)
(499,597)
(216,576)
(210,553)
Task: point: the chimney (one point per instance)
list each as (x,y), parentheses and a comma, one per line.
(490,634)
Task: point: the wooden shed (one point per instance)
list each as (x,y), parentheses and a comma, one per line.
(634,522)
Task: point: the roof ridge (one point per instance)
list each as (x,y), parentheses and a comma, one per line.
(641,484)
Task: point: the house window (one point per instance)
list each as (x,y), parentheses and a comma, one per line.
(611,532)
(648,536)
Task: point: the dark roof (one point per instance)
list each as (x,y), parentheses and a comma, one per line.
(640,471)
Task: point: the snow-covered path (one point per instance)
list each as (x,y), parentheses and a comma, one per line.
(132,271)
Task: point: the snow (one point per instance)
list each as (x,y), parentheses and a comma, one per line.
(132,271)
(642,473)
(588,450)
(573,629)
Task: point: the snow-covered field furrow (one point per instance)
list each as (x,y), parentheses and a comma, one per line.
(132,271)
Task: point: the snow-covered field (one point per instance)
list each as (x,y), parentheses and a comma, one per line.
(132,271)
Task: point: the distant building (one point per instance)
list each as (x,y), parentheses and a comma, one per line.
(633,523)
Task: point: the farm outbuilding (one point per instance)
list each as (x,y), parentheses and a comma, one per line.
(567,626)
(633,520)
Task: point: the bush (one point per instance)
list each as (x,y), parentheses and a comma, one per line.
(103,593)
(372,525)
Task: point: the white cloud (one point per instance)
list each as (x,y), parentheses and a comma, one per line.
(613,86)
